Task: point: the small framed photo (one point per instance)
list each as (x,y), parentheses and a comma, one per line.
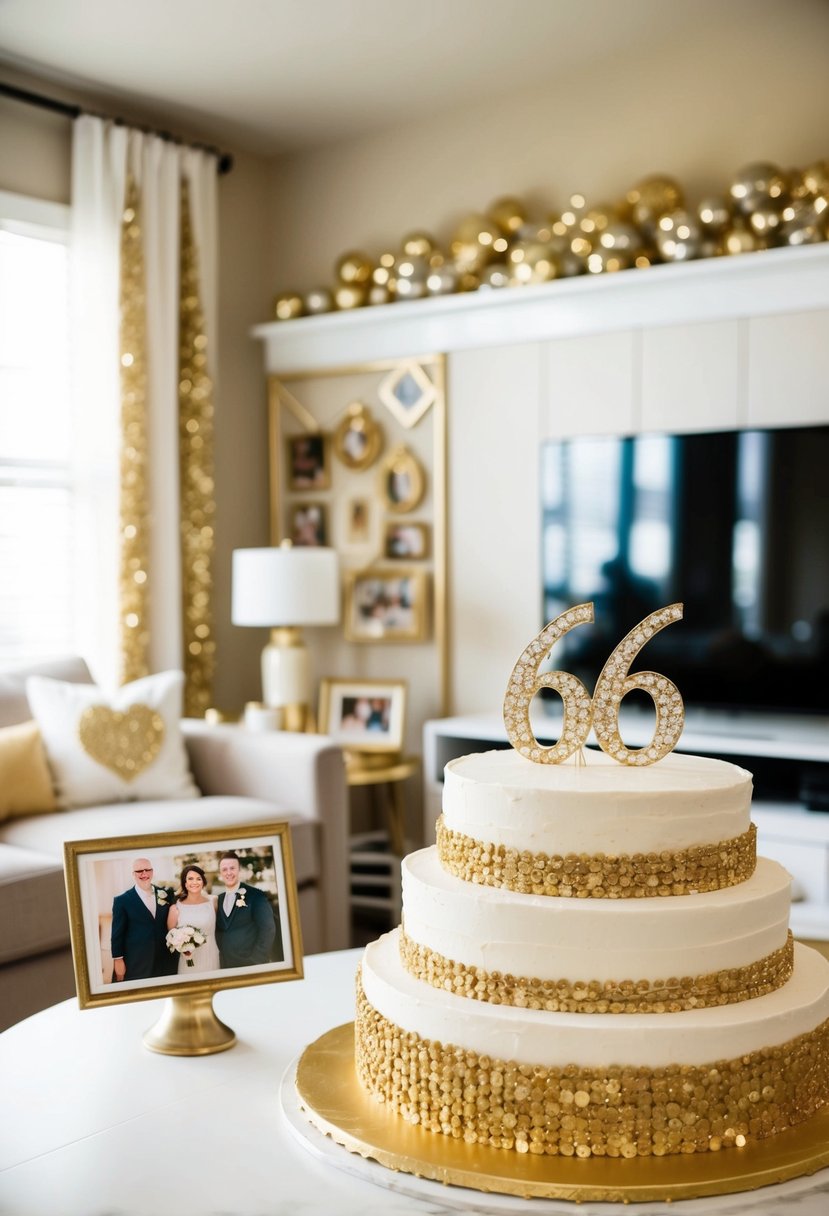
(173,912)
(358,439)
(309,462)
(364,714)
(406,542)
(402,481)
(309,524)
(357,523)
(386,606)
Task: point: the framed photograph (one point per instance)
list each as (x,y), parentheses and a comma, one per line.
(309,462)
(364,714)
(358,440)
(406,542)
(159,915)
(357,524)
(386,606)
(402,480)
(309,524)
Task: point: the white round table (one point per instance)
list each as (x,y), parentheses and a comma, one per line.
(93,1123)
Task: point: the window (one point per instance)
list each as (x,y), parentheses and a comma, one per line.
(37,596)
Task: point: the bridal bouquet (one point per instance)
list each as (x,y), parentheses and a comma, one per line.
(185,940)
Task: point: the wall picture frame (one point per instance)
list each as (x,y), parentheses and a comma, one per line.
(308,458)
(405,541)
(308,524)
(386,605)
(367,715)
(358,440)
(124,893)
(402,480)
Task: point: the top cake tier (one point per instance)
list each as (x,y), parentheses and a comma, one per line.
(680,803)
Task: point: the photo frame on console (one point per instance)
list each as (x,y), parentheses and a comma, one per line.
(367,715)
(149,915)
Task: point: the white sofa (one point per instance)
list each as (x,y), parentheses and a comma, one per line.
(245,778)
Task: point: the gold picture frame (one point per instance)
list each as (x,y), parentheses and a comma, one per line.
(367,715)
(358,440)
(402,480)
(405,541)
(308,461)
(386,605)
(107,915)
(308,524)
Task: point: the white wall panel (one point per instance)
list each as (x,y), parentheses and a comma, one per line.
(590,385)
(690,377)
(788,369)
(494,560)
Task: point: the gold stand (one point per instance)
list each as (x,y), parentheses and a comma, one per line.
(188,1026)
(334,1103)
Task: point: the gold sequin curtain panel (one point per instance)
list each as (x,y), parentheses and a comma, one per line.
(194,430)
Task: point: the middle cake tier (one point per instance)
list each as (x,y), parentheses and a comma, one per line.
(584,955)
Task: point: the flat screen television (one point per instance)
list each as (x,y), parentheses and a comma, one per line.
(735,524)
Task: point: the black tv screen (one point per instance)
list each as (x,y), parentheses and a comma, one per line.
(733,524)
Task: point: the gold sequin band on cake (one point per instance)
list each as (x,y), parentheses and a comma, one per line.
(727,987)
(708,867)
(583,1112)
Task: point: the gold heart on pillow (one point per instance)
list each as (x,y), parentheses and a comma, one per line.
(125,741)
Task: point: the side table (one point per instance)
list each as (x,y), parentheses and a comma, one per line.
(374,857)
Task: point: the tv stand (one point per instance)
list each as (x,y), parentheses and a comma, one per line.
(788,755)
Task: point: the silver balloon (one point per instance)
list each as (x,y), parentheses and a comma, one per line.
(606,261)
(757,185)
(569,264)
(495,275)
(409,275)
(442,280)
(714,213)
(621,237)
(765,221)
(531,262)
(317,301)
(379,293)
(803,223)
(678,236)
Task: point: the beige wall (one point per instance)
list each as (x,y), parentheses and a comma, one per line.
(36,161)
(752,86)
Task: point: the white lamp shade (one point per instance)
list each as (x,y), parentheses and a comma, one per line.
(285,586)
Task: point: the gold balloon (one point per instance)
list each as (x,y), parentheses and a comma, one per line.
(378,294)
(495,275)
(803,222)
(757,185)
(473,243)
(765,222)
(651,197)
(597,218)
(569,264)
(678,236)
(816,178)
(418,245)
(621,237)
(382,271)
(354,268)
(531,262)
(317,301)
(287,306)
(534,232)
(714,213)
(442,280)
(573,213)
(350,295)
(508,213)
(469,281)
(408,279)
(607,261)
(737,240)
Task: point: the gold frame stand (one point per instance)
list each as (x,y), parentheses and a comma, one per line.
(334,1103)
(188,1026)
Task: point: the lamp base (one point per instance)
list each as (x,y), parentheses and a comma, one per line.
(286,677)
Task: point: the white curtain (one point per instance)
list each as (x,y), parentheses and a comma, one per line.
(103,155)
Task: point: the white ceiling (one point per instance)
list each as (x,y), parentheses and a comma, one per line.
(273,75)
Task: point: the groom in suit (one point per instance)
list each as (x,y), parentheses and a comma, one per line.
(139,928)
(245,926)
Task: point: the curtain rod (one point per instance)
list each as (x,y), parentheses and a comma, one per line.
(74,111)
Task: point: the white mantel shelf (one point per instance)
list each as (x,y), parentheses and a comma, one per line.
(755,284)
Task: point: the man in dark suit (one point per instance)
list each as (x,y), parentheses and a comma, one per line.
(245,926)
(139,928)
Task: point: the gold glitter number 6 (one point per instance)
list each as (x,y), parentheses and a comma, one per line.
(602,711)
(525,682)
(614,683)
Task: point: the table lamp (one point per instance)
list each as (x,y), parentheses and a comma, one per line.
(285,587)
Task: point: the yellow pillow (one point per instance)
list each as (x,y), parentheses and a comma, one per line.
(25,783)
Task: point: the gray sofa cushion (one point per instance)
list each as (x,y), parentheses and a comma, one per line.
(32,903)
(46,833)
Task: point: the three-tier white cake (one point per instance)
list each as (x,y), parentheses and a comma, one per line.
(593,961)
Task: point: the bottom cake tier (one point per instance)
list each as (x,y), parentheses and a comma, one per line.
(621,1085)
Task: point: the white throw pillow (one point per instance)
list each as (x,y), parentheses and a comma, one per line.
(118,748)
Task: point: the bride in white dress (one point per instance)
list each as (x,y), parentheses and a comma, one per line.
(195,908)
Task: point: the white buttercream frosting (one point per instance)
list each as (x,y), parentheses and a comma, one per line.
(504,1032)
(537,936)
(596,807)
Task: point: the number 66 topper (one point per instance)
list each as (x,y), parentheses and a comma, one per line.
(601,711)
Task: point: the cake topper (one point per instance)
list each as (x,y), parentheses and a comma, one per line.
(601,711)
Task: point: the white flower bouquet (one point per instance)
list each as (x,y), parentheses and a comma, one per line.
(185,940)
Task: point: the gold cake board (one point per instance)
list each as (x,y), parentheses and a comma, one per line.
(334,1103)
